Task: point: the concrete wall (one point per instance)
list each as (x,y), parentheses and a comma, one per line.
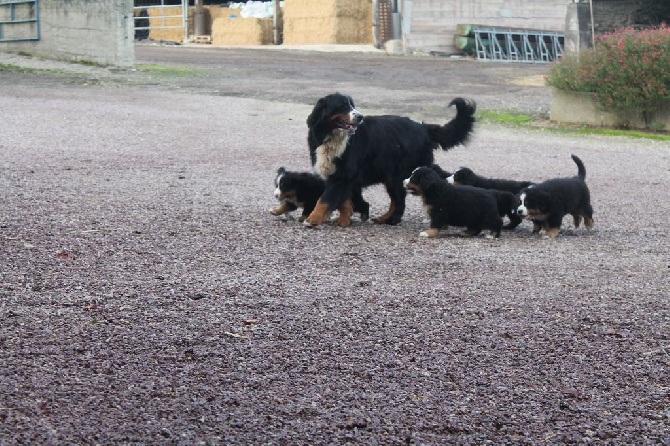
(578,108)
(432,23)
(98,31)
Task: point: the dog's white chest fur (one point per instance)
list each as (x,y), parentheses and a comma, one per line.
(333,147)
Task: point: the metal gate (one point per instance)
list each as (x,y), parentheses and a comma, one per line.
(19,20)
(161,19)
(518,45)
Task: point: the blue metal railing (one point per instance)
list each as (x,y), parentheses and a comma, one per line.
(19,20)
(510,45)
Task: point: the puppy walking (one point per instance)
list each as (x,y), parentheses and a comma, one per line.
(548,202)
(448,205)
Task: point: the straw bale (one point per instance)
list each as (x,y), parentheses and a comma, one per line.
(212,12)
(242,31)
(327,21)
(166,34)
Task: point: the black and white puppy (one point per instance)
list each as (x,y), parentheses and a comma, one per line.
(302,190)
(448,205)
(506,205)
(548,202)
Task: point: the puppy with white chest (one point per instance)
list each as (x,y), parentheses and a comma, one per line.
(302,190)
(499,186)
(448,205)
(548,202)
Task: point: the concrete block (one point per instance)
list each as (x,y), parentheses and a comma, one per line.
(579,108)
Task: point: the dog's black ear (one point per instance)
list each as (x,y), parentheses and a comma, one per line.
(543,200)
(281,170)
(426,178)
(317,113)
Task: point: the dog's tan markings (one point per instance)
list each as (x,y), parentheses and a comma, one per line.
(346,210)
(552,232)
(333,147)
(283,208)
(318,215)
(430,232)
(413,187)
(577,219)
(588,222)
(387,215)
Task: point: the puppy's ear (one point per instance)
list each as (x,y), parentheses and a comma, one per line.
(281,170)
(317,113)
(543,200)
(426,180)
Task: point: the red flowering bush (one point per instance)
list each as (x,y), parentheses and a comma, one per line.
(627,70)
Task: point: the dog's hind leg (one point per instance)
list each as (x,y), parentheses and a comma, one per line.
(397,194)
(318,215)
(383,218)
(346,210)
(588,216)
(577,219)
(360,205)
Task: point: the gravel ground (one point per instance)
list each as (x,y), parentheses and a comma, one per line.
(148,297)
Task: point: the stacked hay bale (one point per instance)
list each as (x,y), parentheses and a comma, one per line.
(327,21)
(172,17)
(229,28)
(212,12)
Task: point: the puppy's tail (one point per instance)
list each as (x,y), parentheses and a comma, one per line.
(458,130)
(581,170)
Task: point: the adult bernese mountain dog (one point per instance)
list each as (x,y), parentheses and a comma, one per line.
(352,152)
(302,190)
(447,205)
(548,202)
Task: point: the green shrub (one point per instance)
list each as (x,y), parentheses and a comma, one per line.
(627,70)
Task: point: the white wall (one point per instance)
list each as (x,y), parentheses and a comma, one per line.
(99,31)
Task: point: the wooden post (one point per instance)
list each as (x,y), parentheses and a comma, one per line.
(277,24)
(199,19)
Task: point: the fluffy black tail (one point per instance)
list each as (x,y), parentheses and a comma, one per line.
(581,170)
(458,130)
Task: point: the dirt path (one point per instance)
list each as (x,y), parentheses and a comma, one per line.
(146,295)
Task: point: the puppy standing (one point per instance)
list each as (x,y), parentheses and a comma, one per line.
(548,202)
(506,205)
(448,205)
(302,190)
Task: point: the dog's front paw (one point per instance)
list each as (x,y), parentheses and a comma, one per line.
(432,232)
(551,233)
